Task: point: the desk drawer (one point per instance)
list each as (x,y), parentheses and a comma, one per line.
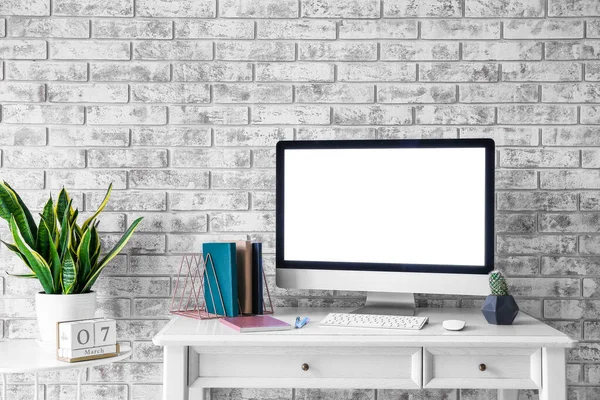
(398,368)
(510,368)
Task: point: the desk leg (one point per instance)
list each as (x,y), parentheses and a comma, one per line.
(508,394)
(175,373)
(35,387)
(554,374)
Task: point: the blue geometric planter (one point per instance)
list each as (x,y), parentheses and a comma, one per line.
(500,310)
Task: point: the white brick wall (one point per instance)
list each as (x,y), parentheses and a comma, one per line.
(179,103)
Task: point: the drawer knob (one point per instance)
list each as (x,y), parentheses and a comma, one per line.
(482,367)
(304,367)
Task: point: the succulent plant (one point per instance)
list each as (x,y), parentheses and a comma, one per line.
(63,255)
(498,284)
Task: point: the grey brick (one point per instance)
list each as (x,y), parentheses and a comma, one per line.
(170,136)
(372,115)
(127,372)
(263,201)
(589,244)
(301,72)
(539,72)
(545,287)
(154,265)
(577,179)
(108,29)
(590,159)
(49,28)
(334,132)
(585,352)
(416,93)
(31,7)
(214,200)
(337,51)
(92,392)
(589,201)
(134,329)
(90,93)
(427,394)
(516,179)
(221,72)
(128,201)
(579,266)
(336,9)
(505,8)
(502,93)
(88,136)
(422,8)
(591,328)
(172,50)
(455,115)
(89,49)
(416,132)
(592,374)
(43,158)
(573,50)
(126,115)
(22,92)
(570,136)
(20,179)
(538,114)
(263,158)
(517,265)
(22,136)
(488,51)
(543,29)
(537,201)
(478,394)
(86,179)
(126,158)
(593,29)
(363,72)
(590,287)
(251,136)
(524,223)
(571,328)
(460,29)
(208,115)
(170,93)
(168,179)
(314,115)
(458,72)
(255,51)
(590,115)
(251,394)
(422,51)
(130,72)
(252,93)
(151,307)
(129,286)
(541,158)
(146,392)
(243,180)
(171,222)
(202,158)
(584,222)
(335,93)
(378,29)
(243,222)
(176,8)
(37,114)
(575,8)
(188,244)
(531,244)
(335,394)
(22,49)
(571,93)
(262,9)
(93,8)
(147,351)
(217,29)
(296,29)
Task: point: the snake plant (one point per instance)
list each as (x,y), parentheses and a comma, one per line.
(61,254)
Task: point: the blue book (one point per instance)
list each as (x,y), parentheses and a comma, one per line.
(257,279)
(224,259)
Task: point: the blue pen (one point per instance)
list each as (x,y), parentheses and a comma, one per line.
(300,323)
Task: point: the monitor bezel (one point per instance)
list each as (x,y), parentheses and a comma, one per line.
(487,144)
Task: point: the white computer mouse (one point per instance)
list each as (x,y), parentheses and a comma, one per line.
(453,324)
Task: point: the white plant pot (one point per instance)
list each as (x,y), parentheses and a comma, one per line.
(53,308)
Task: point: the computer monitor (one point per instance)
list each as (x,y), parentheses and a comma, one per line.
(389,217)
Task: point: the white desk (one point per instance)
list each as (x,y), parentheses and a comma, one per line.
(526,355)
(27,356)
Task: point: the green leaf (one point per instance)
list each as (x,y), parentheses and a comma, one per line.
(42,243)
(64,240)
(69,275)
(53,260)
(102,205)
(12,205)
(24,276)
(62,204)
(94,247)
(38,265)
(83,254)
(115,250)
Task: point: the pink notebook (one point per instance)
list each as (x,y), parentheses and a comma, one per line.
(255,323)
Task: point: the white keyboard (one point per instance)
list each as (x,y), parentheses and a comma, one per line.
(374,321)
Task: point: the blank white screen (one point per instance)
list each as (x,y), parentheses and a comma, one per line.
(414,206)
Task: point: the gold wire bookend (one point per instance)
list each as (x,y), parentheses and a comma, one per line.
(189,298)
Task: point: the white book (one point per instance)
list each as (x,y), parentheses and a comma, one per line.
(92,351)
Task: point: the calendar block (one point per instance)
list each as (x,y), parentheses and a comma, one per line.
(76,335)
(105,332)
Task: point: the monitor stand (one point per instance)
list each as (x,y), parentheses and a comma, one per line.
(381,303)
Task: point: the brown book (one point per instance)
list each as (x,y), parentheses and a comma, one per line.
(243,252)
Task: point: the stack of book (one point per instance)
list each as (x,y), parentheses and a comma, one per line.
(237,278)
(86,340)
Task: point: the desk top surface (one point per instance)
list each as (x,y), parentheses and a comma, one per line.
(526,331)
